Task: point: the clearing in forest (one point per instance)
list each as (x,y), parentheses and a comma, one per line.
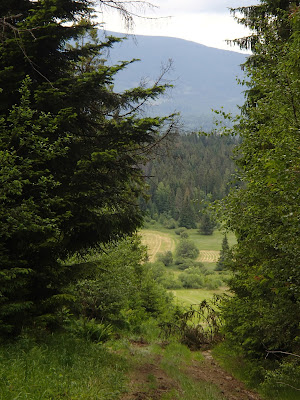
(160,242)
(157,242)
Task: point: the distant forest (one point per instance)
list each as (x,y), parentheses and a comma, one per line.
(189,172)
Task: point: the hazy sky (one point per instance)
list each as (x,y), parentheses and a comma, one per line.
(208,22)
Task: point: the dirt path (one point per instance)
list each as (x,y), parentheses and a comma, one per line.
(149,382)
(211,372)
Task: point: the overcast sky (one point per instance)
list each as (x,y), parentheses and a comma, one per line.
(208,22)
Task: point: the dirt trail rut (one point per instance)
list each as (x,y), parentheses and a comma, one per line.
(149,382)
(210,371)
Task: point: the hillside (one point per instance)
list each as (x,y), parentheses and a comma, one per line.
(203,77)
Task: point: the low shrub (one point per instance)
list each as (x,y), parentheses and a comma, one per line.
(90,329)
(283,383)
(179,231)
(198,327)
(166,258)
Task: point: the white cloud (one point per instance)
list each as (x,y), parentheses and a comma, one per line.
(207,22)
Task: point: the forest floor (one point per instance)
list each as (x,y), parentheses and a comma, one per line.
(149,380)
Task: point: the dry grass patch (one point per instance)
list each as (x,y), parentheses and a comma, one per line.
(157,242)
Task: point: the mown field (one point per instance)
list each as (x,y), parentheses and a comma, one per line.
(159,240)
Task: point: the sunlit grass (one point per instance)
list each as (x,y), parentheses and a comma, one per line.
(195,296)
(169,239)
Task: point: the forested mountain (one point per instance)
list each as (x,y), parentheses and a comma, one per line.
(204,78)
(187,174)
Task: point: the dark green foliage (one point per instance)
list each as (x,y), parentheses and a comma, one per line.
(224,255)
(187,215)
(283,383)
(121,290)
(108,290)
(71,152)
(193,171)
(166,258)
(207,225)
(90,329)
(187,249)
(264,312)
(192,278)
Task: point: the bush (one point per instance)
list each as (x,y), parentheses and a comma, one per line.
(165,278)
(187,249)
(184,235)
(197,277)
(170,282)
(170,223)
(212,282)
(283,382)
(184,263)
(179,231)
(90,329)
(192,278)
(166,258)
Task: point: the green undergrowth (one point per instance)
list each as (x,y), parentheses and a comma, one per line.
(281,383)
(175,360)
(61,367)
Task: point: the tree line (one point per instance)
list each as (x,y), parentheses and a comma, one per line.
(186,176)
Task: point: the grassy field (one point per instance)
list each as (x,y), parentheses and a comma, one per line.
(188,297)
(159,240)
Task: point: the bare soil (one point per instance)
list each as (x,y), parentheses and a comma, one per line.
(210,371)
(149,382)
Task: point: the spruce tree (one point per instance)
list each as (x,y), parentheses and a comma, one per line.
(206,225)
(224,253)
(71,151)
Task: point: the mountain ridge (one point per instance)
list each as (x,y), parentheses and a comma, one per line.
(204,78)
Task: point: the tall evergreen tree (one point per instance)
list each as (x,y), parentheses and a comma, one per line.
(71,151)
(264,313)
(224,253)
(187,217)
(206,225)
